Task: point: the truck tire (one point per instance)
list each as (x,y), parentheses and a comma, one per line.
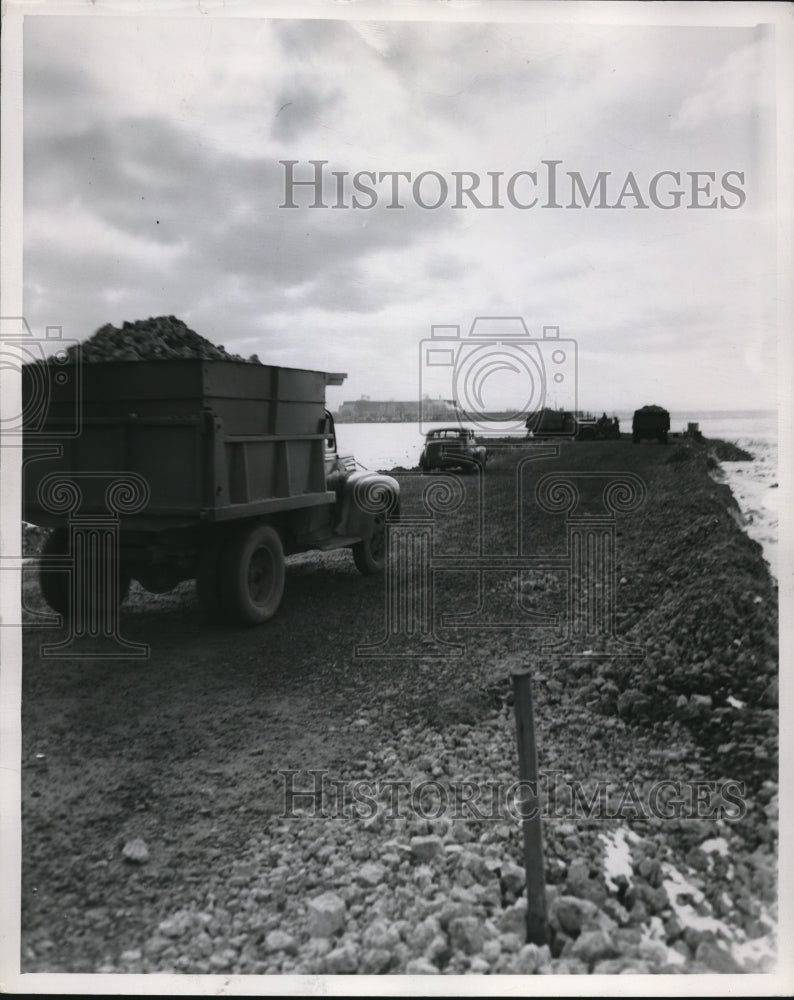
(56,584)
(369,554)
(252,575)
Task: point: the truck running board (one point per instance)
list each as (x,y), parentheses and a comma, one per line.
(337,542)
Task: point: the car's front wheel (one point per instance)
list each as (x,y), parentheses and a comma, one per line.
(369,554)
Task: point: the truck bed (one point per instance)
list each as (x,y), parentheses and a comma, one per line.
(213,440)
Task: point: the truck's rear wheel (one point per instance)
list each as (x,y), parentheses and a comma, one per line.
(55,583)
(369,554)
(252,575)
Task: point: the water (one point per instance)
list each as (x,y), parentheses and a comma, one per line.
(383,446)
(754,484)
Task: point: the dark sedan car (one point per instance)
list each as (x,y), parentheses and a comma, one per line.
(452,448)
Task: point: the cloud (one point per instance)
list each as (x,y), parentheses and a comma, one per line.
(152,195)
(740,86)
(153,185)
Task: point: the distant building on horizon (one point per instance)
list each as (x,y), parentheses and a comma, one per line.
(364,411)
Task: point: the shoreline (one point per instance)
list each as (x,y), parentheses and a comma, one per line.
(759,525)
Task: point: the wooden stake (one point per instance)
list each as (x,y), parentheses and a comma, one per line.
(537,926)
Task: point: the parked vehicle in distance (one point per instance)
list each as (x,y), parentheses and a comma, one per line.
(650,422)
(452,448)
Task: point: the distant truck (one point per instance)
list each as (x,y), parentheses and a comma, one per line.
(650,422)
(239,464)
(578,426)
(547,422)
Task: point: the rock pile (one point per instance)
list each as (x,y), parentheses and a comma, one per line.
(151,339)
(423,896)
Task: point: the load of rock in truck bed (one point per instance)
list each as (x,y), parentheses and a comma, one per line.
(150,340)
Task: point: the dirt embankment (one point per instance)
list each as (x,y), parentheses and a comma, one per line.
(188,751)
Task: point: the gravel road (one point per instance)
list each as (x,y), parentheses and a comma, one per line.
(158,829)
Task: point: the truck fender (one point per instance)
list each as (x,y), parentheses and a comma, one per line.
(365,495)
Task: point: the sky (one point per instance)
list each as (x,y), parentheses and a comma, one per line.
(153,185)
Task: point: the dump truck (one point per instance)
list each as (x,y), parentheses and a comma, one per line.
(236,466)
(547,422)
(650,422)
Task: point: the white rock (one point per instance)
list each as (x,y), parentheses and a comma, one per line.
(466,935)
(135,850)
(381,934)
(371,873)
(424,932)
(421,967)
(317,947)
(279,940)
(427,847)
(342,960)
(526,961)
(491,950)
(513,877)
(510,941)
(177,924)
(513,919)
(326,914)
